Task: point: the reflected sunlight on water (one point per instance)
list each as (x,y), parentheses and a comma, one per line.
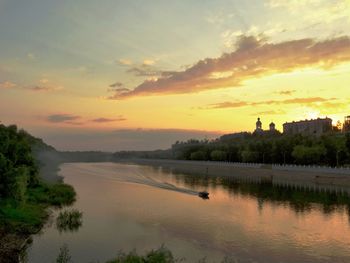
(132,206)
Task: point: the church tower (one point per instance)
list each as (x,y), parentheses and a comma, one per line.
(258,126)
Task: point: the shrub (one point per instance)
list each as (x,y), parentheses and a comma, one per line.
(160,255)
(69,220)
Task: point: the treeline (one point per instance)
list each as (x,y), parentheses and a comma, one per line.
(24,196)
(18,169)
(330,149)
(157,154)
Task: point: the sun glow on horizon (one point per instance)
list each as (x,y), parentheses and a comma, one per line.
(219,73)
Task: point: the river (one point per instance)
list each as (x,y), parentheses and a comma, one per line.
(128,207)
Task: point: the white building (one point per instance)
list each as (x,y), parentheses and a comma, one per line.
(308,127)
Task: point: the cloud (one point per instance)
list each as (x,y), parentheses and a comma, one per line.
(117,91)
(315,11)
(31,56)
(268,112)
(7,85)
(116,84)
(238,104)
(147,70)
(149,62)
(105,120)
(286,92)
(228,104)
(143,71)
(292,4)
(43,81)
(253,58)
(44,88)
(62,118)
(125,62)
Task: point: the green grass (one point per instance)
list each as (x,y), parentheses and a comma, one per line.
(29,216)
(24,219)
(57,195)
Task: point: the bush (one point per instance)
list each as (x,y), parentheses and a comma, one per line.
(57,194)
(64,256)
(69,220)
(160,255)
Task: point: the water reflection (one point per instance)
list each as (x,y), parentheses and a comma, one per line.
(301,199)
(130,207)
(69,221)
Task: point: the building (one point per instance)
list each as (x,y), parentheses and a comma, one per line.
(308,127)
(258,126)
(346,125)
(260,130)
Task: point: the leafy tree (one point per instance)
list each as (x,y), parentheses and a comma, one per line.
(218,155)
(198,156)
(250,156)
(347,142)
(308,155)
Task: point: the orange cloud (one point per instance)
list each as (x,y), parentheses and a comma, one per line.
(63,118)
(44,88)
(286,92)
(268,112)
(252,58)
(106,120)
(238,104)
(7,85)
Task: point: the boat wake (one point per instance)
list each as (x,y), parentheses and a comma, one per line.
(132,174)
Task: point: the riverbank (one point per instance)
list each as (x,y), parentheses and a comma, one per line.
(19,221)
(24,196)
(251,172)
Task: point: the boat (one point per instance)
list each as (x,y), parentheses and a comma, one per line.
(203,194)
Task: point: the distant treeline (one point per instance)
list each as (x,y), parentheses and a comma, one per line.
(331,149)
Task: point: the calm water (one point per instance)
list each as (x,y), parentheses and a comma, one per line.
(130,206)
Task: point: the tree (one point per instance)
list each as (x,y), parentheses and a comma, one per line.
(198,156)
(347,142)
(218,155)
(308,155)
(249,156)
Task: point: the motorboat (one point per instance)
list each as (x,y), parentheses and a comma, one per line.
(203,194)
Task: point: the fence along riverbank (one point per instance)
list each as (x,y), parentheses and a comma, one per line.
(306,177)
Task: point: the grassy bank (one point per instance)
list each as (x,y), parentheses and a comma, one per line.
(24,196)
(29,216)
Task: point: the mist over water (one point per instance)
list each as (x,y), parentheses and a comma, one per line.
(129,207)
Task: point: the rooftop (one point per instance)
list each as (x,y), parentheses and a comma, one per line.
(306,120)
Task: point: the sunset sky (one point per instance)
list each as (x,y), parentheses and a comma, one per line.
(115,75)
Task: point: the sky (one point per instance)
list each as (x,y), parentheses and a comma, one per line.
(138,75)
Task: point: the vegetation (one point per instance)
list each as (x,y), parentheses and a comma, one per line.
(69,220)
(160,255)
(63,255)
(24,197)
(331,149)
